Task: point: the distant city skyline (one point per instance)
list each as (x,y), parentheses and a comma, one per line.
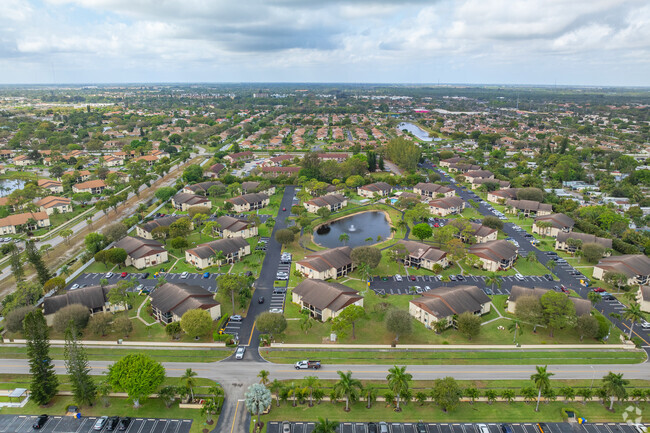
(537,42)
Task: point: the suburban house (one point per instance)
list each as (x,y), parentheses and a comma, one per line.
(214,171)
(23,160)
(530,207)
(433,190)
(472,175)
(333,202)
(500,196)
(230,227)
(280,171)
(322,265)
(442,304)
(643,298)
(446,206)
(171,300)
(142,253)
(248,202)
(463,168)
(495,255)
(338,157)
(276,161)
(204,255)
(144,230)
(482,233)
(112,161)
(78,175)
(447,162)
(251,186)
(478,181)
(54,186)
(201,188)
(635,266)
(553,224)
(324,300)
(51,204)
(241,156)
(423,255)
(95,298)
(29,221)
(378,188)
(583,306)
(92,186)
(184,201)
(561,241)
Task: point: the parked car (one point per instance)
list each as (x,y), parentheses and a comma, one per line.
(112,422)
(519,277)
(236,318)
(549,277)
(276,310)
(599,290)
(239,353)
(108,275)
(74,286)
(284,209)
(506,428)
(383,427)
(124,423)
(482,428)
(145,275)
(184,274)
(99,424)
(420,427)
(608,296)
(372,427)
(460,277)
(40,422)
(398,278)
(286,427)
(452,277)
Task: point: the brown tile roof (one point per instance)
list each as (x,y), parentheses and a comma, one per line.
(585,238)
(529,205)
(97,183)
(227,246)
(22,218)
(447,202)
(189,199)
(495,251)
(325,295)
(447,301)
(248,198)
(629,264)
(327,200)
(421,250)
(137,247)
(180,297)
(377,187)
(558,220)
(433,188)
(48,183)
(582,306)
(323,260)
(52,201)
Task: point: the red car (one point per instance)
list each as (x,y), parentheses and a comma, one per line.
(599,290)
(284,209)
(564,289)
(124,274)
(436,225)
(412,277)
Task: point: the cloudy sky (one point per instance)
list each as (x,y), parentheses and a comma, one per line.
(568,42)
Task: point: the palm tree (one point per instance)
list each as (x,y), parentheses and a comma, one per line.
(542,381)
(325,426)
(514,326)
(348,387)
(219,257)
(275,387)
(634,314)
(264,377)
(492,279)
(398,382)
(594,297)
(189,381)
(531,257)
(311,382)
(370,394)
(614,385)
(344,238)
(551,265)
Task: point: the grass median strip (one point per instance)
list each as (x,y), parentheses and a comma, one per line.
(331,356)
(115,353)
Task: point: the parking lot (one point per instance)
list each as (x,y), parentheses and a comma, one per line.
(361,427)
(196,279)
(68,424)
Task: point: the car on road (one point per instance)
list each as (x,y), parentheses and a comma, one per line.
(184,274)
(125,423)
(40,422)
(124,274)
(112,423)
(564,289)
(239,353)
(99,424)
(74,286)
(108,275)
(427,288)
(599,290)
(236,318)
(260,300)
(286,427)
(284,209)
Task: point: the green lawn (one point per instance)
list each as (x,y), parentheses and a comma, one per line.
(113,354)
(530,268)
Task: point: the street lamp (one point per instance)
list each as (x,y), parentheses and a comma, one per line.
(593,376)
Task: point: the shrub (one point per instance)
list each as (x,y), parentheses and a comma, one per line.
(75,312)
(100,324)
(123,325)
(14,320)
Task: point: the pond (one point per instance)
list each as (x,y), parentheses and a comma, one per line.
(359,227)
(7,186)
(415,130)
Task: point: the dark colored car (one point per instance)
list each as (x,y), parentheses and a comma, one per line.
(549,277)
(260,300)
(112,423)
(608,297)
(452,277)
(145,275)
(40,422)
(124,423)
(420,427)
(372,427)
(460,278)
(506,428)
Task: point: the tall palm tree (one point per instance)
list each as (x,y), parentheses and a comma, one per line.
(614,385)
(348,387)
(370,394)
(325,426)
(264,377)
(551,265)
(594,297)
(189,381)
(542,381)
(515,326)
(344,238)
(311,382)
(634,314)
(398,382)
(493,278)
(275,387)
(219,257)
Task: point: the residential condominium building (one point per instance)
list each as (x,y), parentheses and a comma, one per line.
(446,206)
(553,224)
(502,195)
(229,227)
(643,298)
(445,303)
(636,267)
(379,188)
(142,253)
(479,181)
(481,233)
(201,188)
(472,175)
(323,265)
(205,255)
(144,230)
(23,221)
(248,202)
(184,201)
(241,156)
(582,306)
(562,241)
(251,186)
(280,171)
(92,186)
(324,300)
(530,207)
(333,202)
(94,298)
(171,300)
(54,186)
(433,190)
(52,204)
(423,255)
(495,255)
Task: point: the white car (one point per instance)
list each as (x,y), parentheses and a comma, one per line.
(520,277)
(108,275)
(74,286)
(184,274)
(398,278)
(482,428)
(239,353)
(276,310)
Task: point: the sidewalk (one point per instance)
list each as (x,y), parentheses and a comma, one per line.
(157,344)
(446,347)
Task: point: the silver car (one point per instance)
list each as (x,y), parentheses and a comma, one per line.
(239,353)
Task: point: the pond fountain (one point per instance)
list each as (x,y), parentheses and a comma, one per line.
(358,229)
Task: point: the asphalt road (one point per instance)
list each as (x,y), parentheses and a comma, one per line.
(563,272)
